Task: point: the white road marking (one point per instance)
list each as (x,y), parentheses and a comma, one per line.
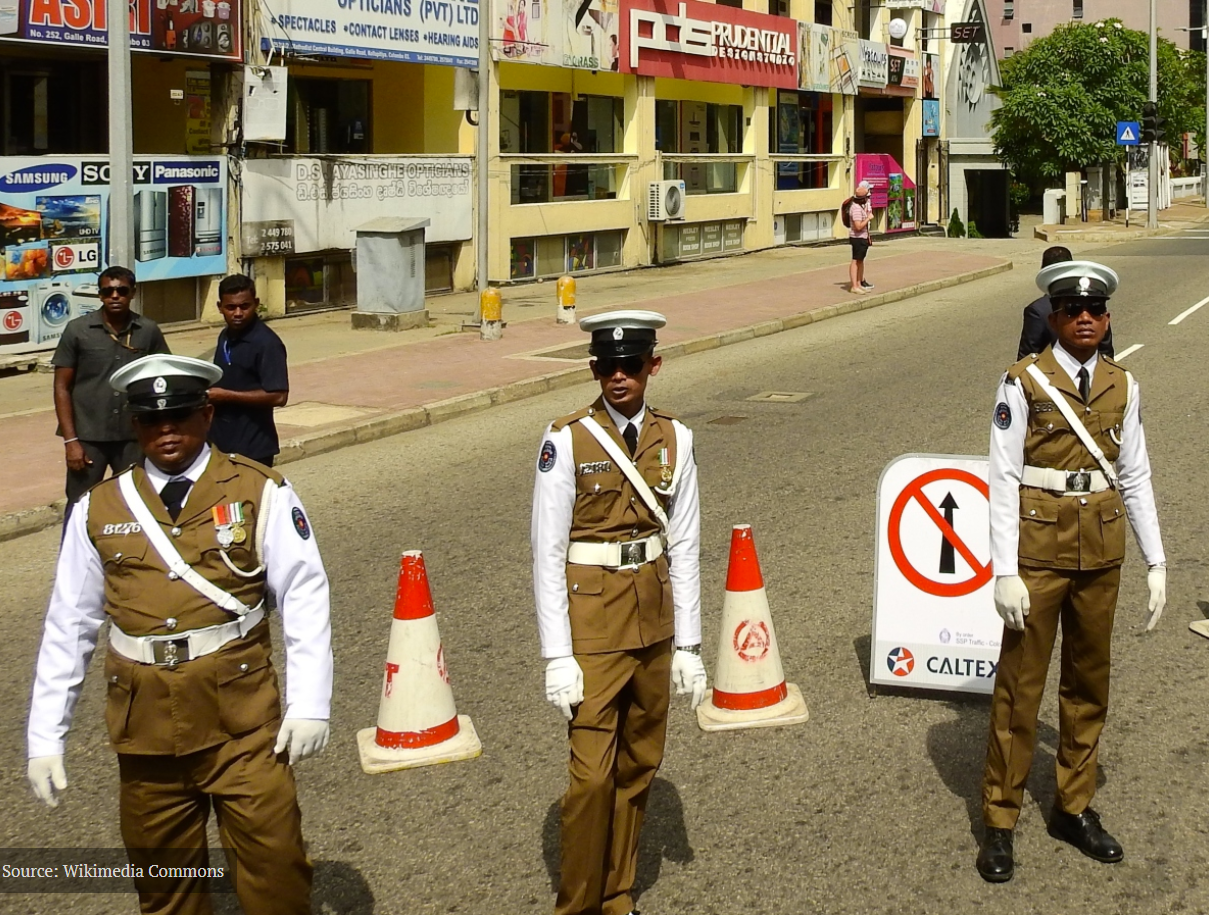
(1183,314)
(1129,350)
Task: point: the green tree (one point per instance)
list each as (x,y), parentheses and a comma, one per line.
(1063,96)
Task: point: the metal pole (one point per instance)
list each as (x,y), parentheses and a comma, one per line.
(1152,210)
(483,153)
(1205,146)
(121,138)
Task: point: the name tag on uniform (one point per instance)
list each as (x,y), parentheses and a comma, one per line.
(595,467)
(1043,406)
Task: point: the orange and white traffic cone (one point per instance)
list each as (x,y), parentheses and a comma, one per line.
(749,688)
(418,724)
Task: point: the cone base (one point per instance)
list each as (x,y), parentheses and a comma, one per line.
(790,710)
(375,759)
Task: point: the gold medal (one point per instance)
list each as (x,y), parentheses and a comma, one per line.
(665,467)
(238,534)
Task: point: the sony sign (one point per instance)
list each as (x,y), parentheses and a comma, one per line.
(727,49)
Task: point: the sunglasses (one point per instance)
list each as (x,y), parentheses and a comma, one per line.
(160,417)
(107,291)
(630,365)
(1076,308)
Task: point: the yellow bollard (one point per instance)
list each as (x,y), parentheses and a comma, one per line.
(566,301)
(491,311)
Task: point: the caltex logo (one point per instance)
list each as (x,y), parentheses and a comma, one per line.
(900,661)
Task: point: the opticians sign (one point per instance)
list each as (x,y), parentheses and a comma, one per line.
(196,28)
(710,43)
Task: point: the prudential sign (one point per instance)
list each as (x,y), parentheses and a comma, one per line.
(710,43)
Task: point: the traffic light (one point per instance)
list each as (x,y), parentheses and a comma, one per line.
(1152,124)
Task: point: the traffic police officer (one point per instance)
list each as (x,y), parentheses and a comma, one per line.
(616,537)
(179,553)
(1068,464)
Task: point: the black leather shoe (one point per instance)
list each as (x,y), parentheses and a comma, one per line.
(1083,830)
(995,861)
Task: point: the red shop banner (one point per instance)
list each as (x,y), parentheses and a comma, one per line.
(686,39)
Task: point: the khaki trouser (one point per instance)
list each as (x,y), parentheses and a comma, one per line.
(616,748)
(165,802)
(1085,603)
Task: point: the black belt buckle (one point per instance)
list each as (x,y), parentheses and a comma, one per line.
(633,553)
(170,652)
(1079,481)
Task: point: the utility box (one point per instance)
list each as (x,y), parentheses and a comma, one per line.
(390,274)
(1053,207)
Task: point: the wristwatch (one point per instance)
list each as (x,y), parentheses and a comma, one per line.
(691,649)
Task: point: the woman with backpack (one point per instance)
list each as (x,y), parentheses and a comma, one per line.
(858,213)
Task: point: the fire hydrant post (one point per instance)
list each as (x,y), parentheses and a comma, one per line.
(566,300)
(491,307)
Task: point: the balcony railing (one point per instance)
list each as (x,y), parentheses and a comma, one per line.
(564,178)
(707,173)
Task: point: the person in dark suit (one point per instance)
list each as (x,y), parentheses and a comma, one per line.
(1036,335)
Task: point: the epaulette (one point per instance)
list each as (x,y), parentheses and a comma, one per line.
(1020,368)
(245,462)
(1111,361)
(662,414)
(562,422)
(112,479)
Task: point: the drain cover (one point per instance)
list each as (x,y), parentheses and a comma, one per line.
(727,420)
(780,396)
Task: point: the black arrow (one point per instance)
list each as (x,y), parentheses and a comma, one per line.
(948,564)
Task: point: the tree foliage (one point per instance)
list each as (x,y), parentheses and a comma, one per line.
(1063,95)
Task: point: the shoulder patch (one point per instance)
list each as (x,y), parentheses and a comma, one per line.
(300,523)
(548,456)
(1003,415)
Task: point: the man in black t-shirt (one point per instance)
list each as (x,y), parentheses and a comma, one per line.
(254,380)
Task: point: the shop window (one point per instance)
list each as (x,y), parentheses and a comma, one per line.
(555,122)
(694,128)
(54,110)
(438,268)
(328,116)
(822,12)
(523,259)
(801,123)
(319,281)
(554,255)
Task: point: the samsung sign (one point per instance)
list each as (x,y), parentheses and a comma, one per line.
(37,177)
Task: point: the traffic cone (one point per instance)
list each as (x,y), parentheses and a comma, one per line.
(749,688)
(418,724)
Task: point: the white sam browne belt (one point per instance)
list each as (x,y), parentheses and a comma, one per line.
(170,650)
(632,553)
(1064,482)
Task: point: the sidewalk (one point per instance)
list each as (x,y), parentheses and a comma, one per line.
(1184,213)
(353,386)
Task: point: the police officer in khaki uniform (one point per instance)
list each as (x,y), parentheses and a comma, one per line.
(179,553)
(616,537)
(1068,465)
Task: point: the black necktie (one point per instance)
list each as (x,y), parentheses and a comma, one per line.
(174,494)
(1084,385)
(631,437)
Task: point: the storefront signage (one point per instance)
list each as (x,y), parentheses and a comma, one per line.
(928,6)
(197,118)
(930,126)
(262,239)
(558,33)
(418,31)
(892,190)
(903,71)
(54,227)
(830,59)
(325,200)
(931,75)
(198,28)
(706,42)
(875,65)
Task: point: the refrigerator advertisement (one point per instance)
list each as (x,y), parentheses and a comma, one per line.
(54,219)
(892,190)
(196,28)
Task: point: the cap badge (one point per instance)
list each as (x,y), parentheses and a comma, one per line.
(618,333)
(160,385)
(1084,283)
(161,403)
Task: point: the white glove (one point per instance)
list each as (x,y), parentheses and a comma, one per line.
(1011,601)
(304,737)
(688,675)
(47,776)
(1156,581)
(564,684)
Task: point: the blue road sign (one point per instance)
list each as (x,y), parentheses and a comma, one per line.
(1128,133)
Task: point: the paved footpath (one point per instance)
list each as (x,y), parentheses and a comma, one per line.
(392,383)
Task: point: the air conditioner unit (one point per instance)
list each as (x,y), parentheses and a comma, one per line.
(665,201)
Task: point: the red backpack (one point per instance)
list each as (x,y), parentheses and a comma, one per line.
(846,213)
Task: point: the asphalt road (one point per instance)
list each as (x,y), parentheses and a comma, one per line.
(872,806)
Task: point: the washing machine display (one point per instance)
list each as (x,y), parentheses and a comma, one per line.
(52,303)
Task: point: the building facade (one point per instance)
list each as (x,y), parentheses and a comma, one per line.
(1017,23)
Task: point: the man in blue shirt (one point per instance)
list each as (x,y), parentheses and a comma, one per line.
(254,380)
